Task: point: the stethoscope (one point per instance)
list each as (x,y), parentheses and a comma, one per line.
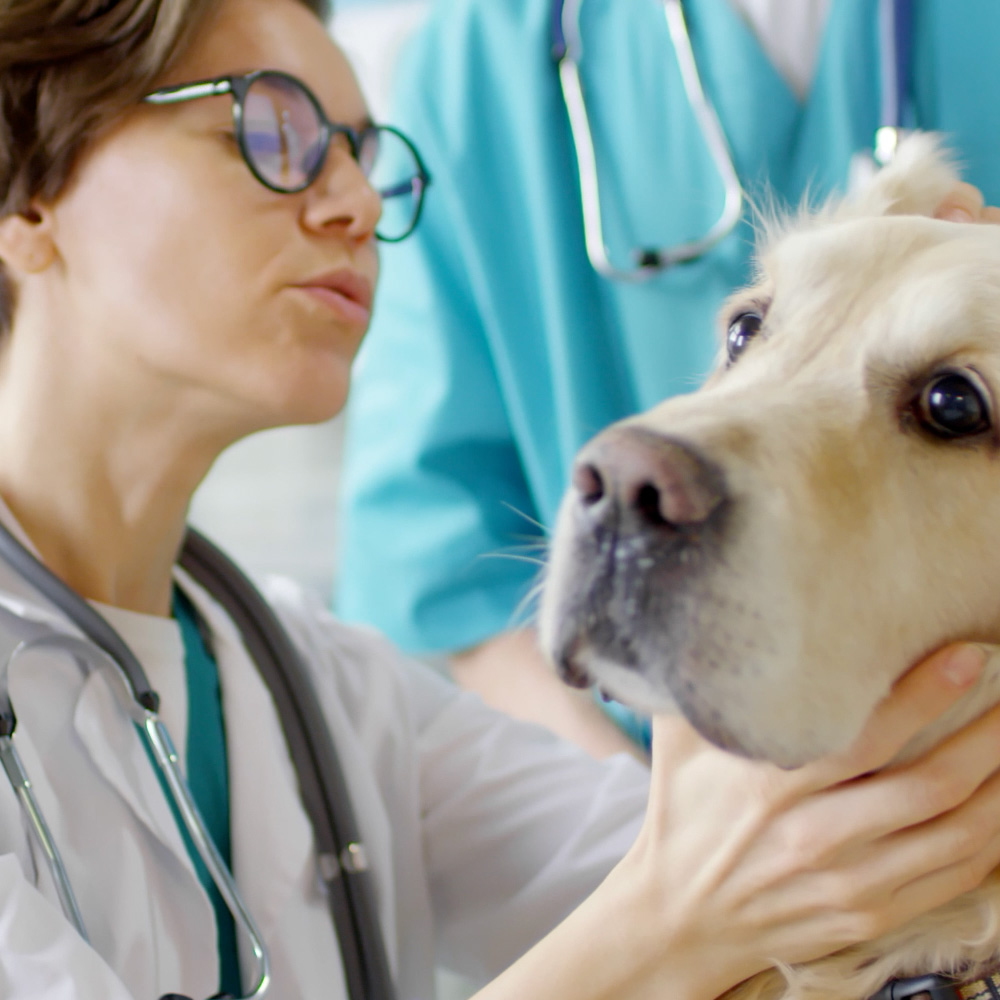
(895,21)
(342,862)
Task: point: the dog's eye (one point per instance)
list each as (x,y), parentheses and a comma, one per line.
(953,405)
(742,330)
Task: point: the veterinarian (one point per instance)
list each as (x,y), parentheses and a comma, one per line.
(504,332)
(189,245)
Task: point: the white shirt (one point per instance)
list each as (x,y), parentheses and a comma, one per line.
(789,31)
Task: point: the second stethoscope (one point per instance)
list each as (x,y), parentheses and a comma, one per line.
(895,19)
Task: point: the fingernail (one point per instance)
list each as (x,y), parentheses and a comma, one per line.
(957,214)
(964,665)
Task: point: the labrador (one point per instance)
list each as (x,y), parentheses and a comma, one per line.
(770,553)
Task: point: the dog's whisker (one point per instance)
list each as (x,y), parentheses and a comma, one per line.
(515,556)
(532,542)
(526,610)
(527,517)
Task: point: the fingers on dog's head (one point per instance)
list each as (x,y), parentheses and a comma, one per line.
(964,203)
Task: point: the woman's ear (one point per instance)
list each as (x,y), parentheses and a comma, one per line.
(26,240)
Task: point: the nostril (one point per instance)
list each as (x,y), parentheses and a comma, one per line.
(588,483)
(643,480)
(647,505)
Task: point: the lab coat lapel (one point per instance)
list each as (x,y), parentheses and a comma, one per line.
(117,751)
(272,844)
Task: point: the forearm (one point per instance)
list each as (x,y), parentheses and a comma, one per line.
(610,948)
(510,673)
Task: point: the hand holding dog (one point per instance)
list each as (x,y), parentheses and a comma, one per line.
(790,866)
(740,865)
(965,204)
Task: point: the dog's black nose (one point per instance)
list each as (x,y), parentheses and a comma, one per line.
(641,480)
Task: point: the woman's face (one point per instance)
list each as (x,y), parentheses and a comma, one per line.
(186,275)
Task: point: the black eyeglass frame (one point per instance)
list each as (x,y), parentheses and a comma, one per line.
(239,85)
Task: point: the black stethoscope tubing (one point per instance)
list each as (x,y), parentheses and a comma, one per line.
(81,614)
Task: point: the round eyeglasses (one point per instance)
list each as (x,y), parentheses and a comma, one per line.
(284,137)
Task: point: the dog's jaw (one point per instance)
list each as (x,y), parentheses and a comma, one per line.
(690,623)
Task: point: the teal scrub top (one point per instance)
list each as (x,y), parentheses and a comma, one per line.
(496,350)
(208,779)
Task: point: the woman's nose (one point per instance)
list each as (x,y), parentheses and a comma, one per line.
(342,199)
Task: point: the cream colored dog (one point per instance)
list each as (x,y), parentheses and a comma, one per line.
(772,552)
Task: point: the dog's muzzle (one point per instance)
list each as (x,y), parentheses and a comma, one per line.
(643,507)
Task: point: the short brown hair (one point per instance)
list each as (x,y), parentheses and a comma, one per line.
(68,68)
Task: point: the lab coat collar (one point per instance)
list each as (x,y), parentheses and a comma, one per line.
(101,723)
(117,751)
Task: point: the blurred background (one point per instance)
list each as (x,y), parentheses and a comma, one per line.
(271,500)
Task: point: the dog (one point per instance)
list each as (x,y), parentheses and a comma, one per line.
(770,553)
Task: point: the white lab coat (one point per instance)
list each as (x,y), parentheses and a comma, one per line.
(482,833)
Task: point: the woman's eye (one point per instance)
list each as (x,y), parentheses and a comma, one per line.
(742,330)
(953,405)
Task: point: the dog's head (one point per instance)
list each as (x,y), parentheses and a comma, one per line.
(771,552)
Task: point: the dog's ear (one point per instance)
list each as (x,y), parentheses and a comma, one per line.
(921,175)
(917,180)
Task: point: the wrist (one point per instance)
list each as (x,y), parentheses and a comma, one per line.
(663,957)
(612,947)
(676,946)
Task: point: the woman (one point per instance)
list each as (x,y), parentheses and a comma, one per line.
(176,276)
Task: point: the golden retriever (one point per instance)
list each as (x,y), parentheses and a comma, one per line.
(772,552)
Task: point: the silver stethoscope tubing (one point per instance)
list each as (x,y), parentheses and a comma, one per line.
(341,856)
(895,18)
(89,658)
(140,703)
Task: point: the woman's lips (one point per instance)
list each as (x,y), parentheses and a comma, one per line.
(346,308)
(347,293)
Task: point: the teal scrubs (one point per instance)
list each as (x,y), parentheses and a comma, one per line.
(208,779)
(497,351)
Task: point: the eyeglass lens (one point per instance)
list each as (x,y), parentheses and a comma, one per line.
(284,139)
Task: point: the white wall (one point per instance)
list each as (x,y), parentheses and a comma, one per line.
(372,34)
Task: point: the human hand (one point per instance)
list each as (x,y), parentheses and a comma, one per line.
(740,864)
(964,203)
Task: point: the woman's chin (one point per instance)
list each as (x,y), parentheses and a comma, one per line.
(312,401)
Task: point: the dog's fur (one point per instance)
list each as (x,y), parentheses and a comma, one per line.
(825,538)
